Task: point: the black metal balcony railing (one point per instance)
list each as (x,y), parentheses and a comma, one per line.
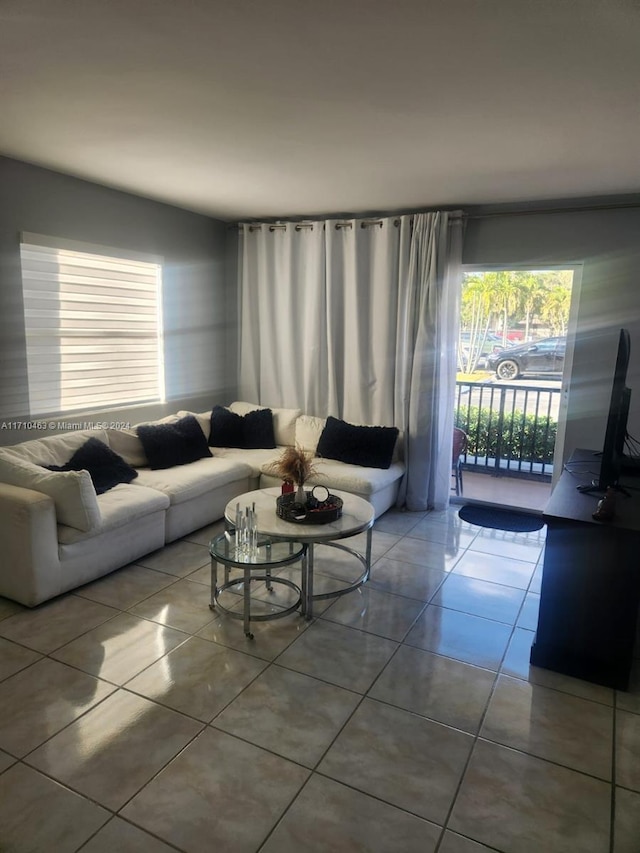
(511,429)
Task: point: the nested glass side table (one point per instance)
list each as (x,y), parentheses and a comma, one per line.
(265,557)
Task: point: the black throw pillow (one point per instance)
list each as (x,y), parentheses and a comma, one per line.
(179,443)
(369,446)
(250,431)
(106,468)
(226,428)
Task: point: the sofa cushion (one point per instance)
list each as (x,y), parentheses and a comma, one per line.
(105,467)
(370,446)
(56,449)
(169,444)
(251,431)
(190,481)
(284,420)
(118,507)
(356,479)
(256,458)
(308,432)
(71,491)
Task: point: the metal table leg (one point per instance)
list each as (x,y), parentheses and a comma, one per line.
(214,583)
(247,603)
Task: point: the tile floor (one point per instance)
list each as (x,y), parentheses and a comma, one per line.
(404,718)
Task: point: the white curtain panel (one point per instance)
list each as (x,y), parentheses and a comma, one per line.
(347,318)
(430,318)
(283,344)
(366,267)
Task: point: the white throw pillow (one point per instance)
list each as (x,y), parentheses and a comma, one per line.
(284,420)
(308,431)
(56,449)
(72,492)
(125,443)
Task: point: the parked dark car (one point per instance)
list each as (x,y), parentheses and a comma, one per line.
(491,344)
(540,357)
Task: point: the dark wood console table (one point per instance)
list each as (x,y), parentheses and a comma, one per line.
(590,595)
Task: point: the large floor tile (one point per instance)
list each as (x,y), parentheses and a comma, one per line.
(628,750)
(516,803)
(431,555)
(626,831)
(327,816)
(55,623)
(39,701)
(515,546)
(111,752)
(126,587)
(340,655)
(199,678)
(516,663)
(480,598)
(179,558)
(37,814)
(13,658)
(442,689)
(450,535)
(381,542)
(219,792)
(6,761)
(454,843)
(378,612)
(536,580)
(551,725)
(118,836)
(481,642)
(528,618)
(289,713)
(120,648)
(269,638)
(403,759)
(406,579)
(184,606)
(9,608)
(397,522)
(494,568)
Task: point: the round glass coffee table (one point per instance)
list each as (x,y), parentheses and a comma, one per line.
(266,556)
(357,516)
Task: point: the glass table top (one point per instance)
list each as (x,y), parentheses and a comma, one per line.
(267,553)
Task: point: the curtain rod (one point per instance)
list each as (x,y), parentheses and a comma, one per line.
(299,226)
(546,210)
(490,215)
(454,216)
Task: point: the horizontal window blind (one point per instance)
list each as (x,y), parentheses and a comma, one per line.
(93,327)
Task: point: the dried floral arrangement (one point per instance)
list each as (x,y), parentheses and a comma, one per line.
(295,465)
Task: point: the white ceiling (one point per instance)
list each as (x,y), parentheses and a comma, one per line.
(252,108)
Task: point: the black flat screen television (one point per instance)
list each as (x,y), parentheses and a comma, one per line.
(616,432)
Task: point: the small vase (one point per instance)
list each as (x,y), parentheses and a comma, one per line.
(301,496)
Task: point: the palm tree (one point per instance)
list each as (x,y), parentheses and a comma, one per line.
(475,318)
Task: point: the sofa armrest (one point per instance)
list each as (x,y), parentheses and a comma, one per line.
(29,563)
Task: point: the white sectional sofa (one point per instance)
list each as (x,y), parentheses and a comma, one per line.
(56,533)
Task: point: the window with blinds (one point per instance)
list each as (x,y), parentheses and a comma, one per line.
(93,326)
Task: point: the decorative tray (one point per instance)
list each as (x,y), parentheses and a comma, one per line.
(315,511)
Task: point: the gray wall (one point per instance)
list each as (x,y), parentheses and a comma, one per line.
(607,244)
(196,297)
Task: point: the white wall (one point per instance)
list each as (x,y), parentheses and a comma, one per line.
(195,293)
